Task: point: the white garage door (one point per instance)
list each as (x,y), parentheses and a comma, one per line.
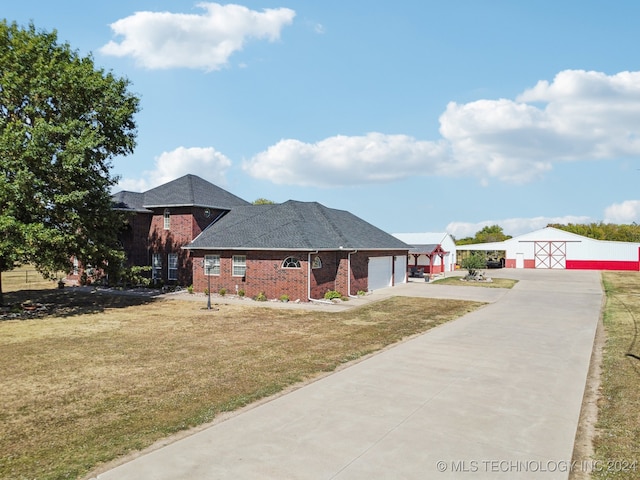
(379,272)
(400,269)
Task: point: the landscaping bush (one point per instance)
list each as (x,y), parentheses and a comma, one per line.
(331,294)
(473,263)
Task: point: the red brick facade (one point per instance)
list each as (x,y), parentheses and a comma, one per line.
(145,235)
(265,273)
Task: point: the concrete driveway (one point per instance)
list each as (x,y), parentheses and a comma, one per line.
(494,394)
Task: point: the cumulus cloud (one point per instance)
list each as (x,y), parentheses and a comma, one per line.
(344,160)
(161,40)
(578,116)
(205,162)
(625,212)
(512,226)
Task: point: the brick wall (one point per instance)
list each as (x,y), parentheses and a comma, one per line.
(185,223)
(134,238)
(265,274)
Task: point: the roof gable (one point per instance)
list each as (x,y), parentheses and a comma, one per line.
(296,226)
(191,191)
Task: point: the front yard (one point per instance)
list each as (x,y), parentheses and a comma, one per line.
(96,376)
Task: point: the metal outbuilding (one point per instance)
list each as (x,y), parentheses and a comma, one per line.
(553,248)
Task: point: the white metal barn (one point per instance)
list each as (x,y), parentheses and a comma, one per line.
(553,248)
(433,252)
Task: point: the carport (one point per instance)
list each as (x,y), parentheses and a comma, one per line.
(428,264)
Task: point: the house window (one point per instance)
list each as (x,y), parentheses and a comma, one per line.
(173,266)
(167,219)
(76,266)
(239,265)
(291,262)
(317,263)
(156,266)
(212,264)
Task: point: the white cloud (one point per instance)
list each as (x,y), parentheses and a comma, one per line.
(343,160)
(511,226)
(625,212)
(160,40)
(579,116)
(204,162)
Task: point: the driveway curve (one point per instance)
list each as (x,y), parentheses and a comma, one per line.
(494,394)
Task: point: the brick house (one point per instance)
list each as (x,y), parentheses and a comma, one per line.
(160,221)
(191,232)
(301,249)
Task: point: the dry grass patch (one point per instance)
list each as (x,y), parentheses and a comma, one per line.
(25,277)
(82,389)
(617,443)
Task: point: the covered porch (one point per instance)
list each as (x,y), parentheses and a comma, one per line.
(428,260)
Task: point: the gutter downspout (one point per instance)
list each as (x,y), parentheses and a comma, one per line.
(349,274)
(309,280)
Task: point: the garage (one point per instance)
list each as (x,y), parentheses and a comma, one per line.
(399,269)
(380,272)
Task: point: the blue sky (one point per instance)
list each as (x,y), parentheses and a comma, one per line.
(416,115)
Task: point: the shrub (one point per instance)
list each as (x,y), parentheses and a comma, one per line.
(331,294)
(261,297)
(284,298)
(473,263)
(361,293)
(241,293)
(190,289)
(222,292)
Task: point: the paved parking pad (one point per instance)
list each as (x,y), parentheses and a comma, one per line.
(494,394)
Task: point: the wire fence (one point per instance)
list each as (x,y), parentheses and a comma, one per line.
(22,277)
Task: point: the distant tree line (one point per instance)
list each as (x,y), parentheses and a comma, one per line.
(488,234)
(603,231)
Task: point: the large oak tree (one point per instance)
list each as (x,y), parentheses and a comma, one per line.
(62,121)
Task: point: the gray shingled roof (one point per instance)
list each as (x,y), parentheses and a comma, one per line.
(191,191)
(293,225)
(423,248)
(187,191)
(129,201)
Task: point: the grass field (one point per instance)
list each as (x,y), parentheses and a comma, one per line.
(24,278)
(617,444)
(103,375)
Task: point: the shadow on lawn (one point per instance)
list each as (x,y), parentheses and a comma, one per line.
(68,302)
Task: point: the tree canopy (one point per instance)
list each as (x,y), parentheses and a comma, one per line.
(62,121)
(263,201)
(488,234)
(603,231)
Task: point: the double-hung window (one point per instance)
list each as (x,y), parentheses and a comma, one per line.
(173,266)
(212,264)
(156,266)
(239,265)
(167,219)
